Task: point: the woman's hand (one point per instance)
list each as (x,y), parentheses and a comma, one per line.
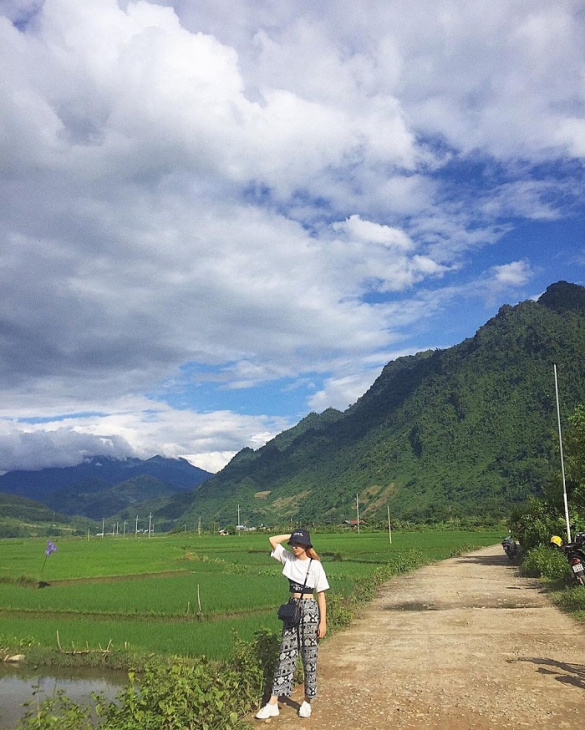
(321,629)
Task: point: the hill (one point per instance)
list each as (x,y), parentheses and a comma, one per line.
(101,486)
(21,517)
(469,430)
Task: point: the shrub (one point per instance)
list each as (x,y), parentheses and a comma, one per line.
(184,696)
(196,693)
(544,561)
(59,713)
(536,523)
(179,695)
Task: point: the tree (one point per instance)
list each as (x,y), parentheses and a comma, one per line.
(574,448)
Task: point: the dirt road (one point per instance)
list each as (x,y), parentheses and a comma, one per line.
(465,643)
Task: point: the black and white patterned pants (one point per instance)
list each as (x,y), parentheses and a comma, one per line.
(306,636)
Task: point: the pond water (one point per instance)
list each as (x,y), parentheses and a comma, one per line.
(19,684)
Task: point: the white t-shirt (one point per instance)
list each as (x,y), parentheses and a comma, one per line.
(296,569)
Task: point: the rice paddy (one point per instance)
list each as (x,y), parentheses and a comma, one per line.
(181,594)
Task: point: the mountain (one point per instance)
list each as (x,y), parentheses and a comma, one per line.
(101,486)
(469,430)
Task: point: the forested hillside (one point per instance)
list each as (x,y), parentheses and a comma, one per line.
(470,430)
(21,517)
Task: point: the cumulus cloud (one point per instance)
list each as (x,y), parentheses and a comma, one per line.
(375,233)
(515,273)
(259,193)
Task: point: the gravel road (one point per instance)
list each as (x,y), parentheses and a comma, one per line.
(465,643)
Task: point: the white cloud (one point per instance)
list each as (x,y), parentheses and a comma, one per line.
(137,428)
(375,233)
(514,274)
(341,392)
(269,191)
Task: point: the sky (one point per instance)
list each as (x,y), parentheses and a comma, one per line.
(218,217)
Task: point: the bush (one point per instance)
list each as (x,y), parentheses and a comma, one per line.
(195,693)
(536,523)
(180,695)
(544,561)
(59,713)
(183,696)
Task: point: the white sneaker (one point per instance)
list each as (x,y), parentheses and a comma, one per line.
(269,711)
(305,709)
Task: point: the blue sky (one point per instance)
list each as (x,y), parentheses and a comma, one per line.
(217,217)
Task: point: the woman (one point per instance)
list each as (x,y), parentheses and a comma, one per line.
(306,576)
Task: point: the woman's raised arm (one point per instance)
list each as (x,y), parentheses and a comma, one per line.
(277,539)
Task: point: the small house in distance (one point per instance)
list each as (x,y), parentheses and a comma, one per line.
(354,523)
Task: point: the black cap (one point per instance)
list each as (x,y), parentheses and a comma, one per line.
(300,537)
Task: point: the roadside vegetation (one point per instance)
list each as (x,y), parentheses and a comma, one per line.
(191,618)
(534,525)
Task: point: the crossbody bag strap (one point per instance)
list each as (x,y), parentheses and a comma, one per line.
(307,576)
(302,592)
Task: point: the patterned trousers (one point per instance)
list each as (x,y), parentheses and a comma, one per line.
(306,636)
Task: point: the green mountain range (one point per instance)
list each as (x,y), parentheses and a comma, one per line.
(102,487)
(469,430)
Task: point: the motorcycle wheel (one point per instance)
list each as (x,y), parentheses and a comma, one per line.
(580,580)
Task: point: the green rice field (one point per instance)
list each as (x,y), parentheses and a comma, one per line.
(182,593)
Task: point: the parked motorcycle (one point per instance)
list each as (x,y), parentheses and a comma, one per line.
(510,547)
(575,554)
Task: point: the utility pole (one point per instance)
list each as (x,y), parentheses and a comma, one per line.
(199,527)
(238,525)
(149,524)
(389,528)
(562,458)
(357,506)
(103,526)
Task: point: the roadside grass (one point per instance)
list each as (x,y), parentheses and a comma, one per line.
(551,567)
(570,599)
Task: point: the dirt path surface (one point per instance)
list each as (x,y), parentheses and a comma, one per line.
(464,643)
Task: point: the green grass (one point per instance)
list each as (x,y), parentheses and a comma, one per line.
(168,596)
(142,593)
(212,639)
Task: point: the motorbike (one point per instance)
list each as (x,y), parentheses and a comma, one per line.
(575,554)
(510,547)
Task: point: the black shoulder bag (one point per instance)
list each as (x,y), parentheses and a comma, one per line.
(290,613)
